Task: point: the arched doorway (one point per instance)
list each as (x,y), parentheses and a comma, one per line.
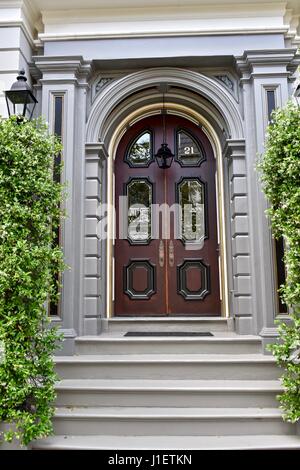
(166,261)
(199,99)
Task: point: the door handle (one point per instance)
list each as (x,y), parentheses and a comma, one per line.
(171,253)
(161,254)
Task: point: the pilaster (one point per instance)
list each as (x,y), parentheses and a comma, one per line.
(262,72)
(94,244)
(242,298)
(68,78)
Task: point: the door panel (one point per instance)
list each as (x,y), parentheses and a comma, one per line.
(139,280)
(178,275)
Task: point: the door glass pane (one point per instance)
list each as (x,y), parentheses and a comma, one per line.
(139,193)
(189,152)
(140,152)
(191,199)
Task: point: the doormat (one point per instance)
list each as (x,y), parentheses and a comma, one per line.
(168,333)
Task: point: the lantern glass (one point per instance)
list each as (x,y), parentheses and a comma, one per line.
(164,156)
(19,99)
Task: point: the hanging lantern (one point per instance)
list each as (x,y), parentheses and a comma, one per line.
(164,156)
(20,99)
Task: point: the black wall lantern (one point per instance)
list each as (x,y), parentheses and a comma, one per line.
(20,99)
(164,156)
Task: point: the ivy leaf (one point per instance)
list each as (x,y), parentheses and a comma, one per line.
(30,263)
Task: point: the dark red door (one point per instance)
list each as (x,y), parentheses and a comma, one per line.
(166,249)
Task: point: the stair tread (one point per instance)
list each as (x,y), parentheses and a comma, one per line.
(163,413)
(235,442)
(158,384)
(154,358)
(107,338)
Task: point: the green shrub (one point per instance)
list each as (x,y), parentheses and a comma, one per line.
(280,169)
(30,262)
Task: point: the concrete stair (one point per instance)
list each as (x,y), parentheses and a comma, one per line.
(162,442)
(121,324)
(173,393)
(168,345)
(214,392)
(170,421)
(169,366)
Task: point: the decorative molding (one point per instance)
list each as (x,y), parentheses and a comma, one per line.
(101,83)
(182,284)
(47,37)
(122,88)
(25,18)
(252,63)
(129,289)
(226,80)
(234,148)
(96,150)
(143,19)
(75,69)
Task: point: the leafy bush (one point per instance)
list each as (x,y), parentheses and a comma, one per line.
(30,261)
(287,354)
(280,168)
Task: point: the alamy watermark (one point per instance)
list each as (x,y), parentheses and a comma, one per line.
(139,223)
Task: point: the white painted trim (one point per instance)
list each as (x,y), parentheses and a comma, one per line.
(47,37)
(144,19)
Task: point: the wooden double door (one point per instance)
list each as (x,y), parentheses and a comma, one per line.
(166,248)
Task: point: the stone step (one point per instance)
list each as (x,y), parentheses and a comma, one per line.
(168,324)
(162,442)
(141,421)
(168,345)
(168,393)
(164,366)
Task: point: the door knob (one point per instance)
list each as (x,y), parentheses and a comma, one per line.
(171,253)
(161,254)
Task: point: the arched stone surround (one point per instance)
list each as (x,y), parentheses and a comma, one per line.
(199,98)
(202,85)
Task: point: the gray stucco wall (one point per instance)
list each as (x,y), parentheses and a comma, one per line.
(70,68)
(141,48)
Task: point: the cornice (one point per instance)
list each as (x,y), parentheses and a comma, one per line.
(19,24)
(26,18)
(50,37)
(264,57)
(251,63)
(105,20)
(82,69)
(283,16)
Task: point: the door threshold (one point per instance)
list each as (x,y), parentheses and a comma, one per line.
(167,318)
